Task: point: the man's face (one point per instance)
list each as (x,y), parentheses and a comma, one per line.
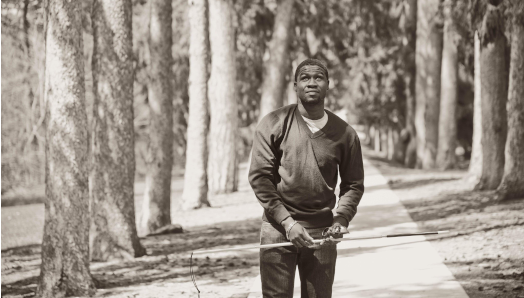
(311,85)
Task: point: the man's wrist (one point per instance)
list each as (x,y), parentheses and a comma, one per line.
(287,222)
(341,220)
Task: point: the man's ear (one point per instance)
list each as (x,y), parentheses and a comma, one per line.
(327,85)
(295,86)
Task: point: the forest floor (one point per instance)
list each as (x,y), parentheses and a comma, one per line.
(485,252)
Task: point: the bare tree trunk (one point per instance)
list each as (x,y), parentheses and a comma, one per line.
(475,164)
(391,143)
(409,78)
(222,94)
(156,206)
(275,69)
(447,132)
(512,185)
(428,63)
(113,229)
(493,76)
(384,140)
(195,176)
(65,245)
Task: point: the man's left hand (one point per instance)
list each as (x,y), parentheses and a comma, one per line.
(337,230)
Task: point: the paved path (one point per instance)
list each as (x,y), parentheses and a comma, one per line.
(390,267)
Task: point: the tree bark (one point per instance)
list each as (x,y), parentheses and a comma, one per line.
(195,176)
(512,185)
(447,132)
(222,94)
(428,63)
(113,229)
(156,205)
(475,164)
(410,30)
(493,76)
(275,70)
(65,246)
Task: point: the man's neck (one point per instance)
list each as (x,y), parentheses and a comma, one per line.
(313,112)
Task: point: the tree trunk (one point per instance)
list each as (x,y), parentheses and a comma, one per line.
(428,63)
(391,143)
(195,177)
(156,206)
(512,185)
(447,132)
(409,78)
(475,163)
(222,94)
(113,229)
(65,245)
(274,83)
(493,76)
(376,136)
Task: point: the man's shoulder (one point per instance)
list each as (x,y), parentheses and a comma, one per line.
(341,125)
(277,116)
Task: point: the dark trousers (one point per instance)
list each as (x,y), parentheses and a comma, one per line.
(316,267)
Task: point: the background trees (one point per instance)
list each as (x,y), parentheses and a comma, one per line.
(65,246)
(222,94)
(156,206)
(113,233)
(195,176)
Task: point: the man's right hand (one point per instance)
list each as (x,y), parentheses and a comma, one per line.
(298,235)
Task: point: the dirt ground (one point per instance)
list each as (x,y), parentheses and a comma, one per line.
(484,250)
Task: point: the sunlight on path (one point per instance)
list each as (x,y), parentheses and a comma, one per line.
(389,267)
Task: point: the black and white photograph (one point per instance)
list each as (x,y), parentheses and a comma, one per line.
(262,148)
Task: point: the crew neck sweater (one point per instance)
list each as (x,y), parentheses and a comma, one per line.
(317,124)
(294,171)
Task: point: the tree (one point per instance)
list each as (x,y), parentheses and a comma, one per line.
(475,163)
(65,245)
(493,76)
(512,185)
(410,32)
(156,208)
(195,176)
(428,63)
(447,132)
(113,231)
(276,68)
(222,94)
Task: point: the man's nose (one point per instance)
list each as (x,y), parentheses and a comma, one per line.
(312,82)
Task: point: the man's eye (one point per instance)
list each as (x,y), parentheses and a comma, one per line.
(319,78)
(304,79)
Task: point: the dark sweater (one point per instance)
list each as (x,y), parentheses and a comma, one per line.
(294,171)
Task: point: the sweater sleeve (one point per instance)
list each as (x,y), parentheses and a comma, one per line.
(351,181)
(263,172)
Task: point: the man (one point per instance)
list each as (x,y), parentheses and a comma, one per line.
(297,153)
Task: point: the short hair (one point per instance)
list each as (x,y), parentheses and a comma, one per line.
(311,61)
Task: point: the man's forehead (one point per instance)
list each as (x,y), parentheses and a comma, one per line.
(311,69)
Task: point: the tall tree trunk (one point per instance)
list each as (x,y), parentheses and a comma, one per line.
(113,229)
(156,206)
(274,83)
(512,185)
(428,63)
(410,30)
(65,245)
(475,164)
(447,132)
(493,76)
(222,94)
(195,177)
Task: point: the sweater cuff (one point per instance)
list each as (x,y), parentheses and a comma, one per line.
(344,218)
(280,213)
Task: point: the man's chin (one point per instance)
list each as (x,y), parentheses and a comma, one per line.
(312,101)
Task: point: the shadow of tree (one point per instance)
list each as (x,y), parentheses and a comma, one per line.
(168,258)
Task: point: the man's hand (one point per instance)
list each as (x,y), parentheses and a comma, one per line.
(337,230)
(297,235)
